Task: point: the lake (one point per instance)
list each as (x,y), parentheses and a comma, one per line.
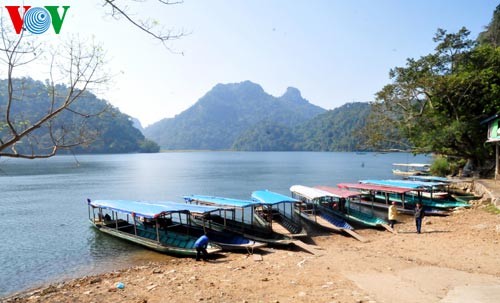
(43,211)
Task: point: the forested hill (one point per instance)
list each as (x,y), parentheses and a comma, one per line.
(113,131)
(227,111)
(333,130)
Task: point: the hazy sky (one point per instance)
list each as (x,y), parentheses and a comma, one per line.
(333,51)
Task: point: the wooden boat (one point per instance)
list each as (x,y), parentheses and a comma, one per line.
(380,197)
(416,194)
(426,189)
(310,209)
(239,216)
(196,224)
(278,211)
(410,169)
(353,212)
(146,224)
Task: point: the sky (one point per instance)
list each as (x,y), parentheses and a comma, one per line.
(333,51)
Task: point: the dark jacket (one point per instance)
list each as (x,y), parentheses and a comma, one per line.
(419,213)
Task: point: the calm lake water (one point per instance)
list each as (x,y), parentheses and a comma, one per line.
(46,235)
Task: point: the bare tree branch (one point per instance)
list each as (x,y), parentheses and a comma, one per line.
(80,65)
(119,9)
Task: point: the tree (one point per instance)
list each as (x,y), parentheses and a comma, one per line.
(78,67)
(437,101)
(73,68)
(121,9)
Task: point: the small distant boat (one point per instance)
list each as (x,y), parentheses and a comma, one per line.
(410,169)
(146,224)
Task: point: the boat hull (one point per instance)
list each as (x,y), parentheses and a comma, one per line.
(184,246)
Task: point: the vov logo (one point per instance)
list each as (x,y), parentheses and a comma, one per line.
(36,20)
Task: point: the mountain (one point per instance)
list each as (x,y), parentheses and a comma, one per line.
(267,136)
(137,124)
(225,112)
(333,130)
(113,131)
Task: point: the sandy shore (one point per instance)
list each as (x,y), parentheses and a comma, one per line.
(455,259)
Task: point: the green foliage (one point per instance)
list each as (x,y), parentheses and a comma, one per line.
(440,167)
(148,146)
(491,35)
(334,130)
(437,102)
(266,136)
(492,209)
(111,131)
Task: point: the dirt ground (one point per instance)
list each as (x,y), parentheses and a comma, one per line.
(455,259)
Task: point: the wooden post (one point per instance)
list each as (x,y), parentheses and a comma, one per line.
(157,230)
(135,224)
(496,161)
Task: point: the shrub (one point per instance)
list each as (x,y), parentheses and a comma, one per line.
(440,167)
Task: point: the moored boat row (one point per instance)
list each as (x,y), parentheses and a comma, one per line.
(268,218)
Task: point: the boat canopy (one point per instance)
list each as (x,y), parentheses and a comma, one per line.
(220,201)
(404,183)
(271,198)
(339,192)
(429,179)
(310,193)
(149,209)
(389,189)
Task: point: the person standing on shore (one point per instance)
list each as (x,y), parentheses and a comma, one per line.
(392,214)
(201,247)
(419,215)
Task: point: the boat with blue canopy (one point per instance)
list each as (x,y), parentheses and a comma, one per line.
(381,197)
(199,222)
(422,192)
(404,183)
(430,179)
(148,224)
(240,216)
(278,211)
